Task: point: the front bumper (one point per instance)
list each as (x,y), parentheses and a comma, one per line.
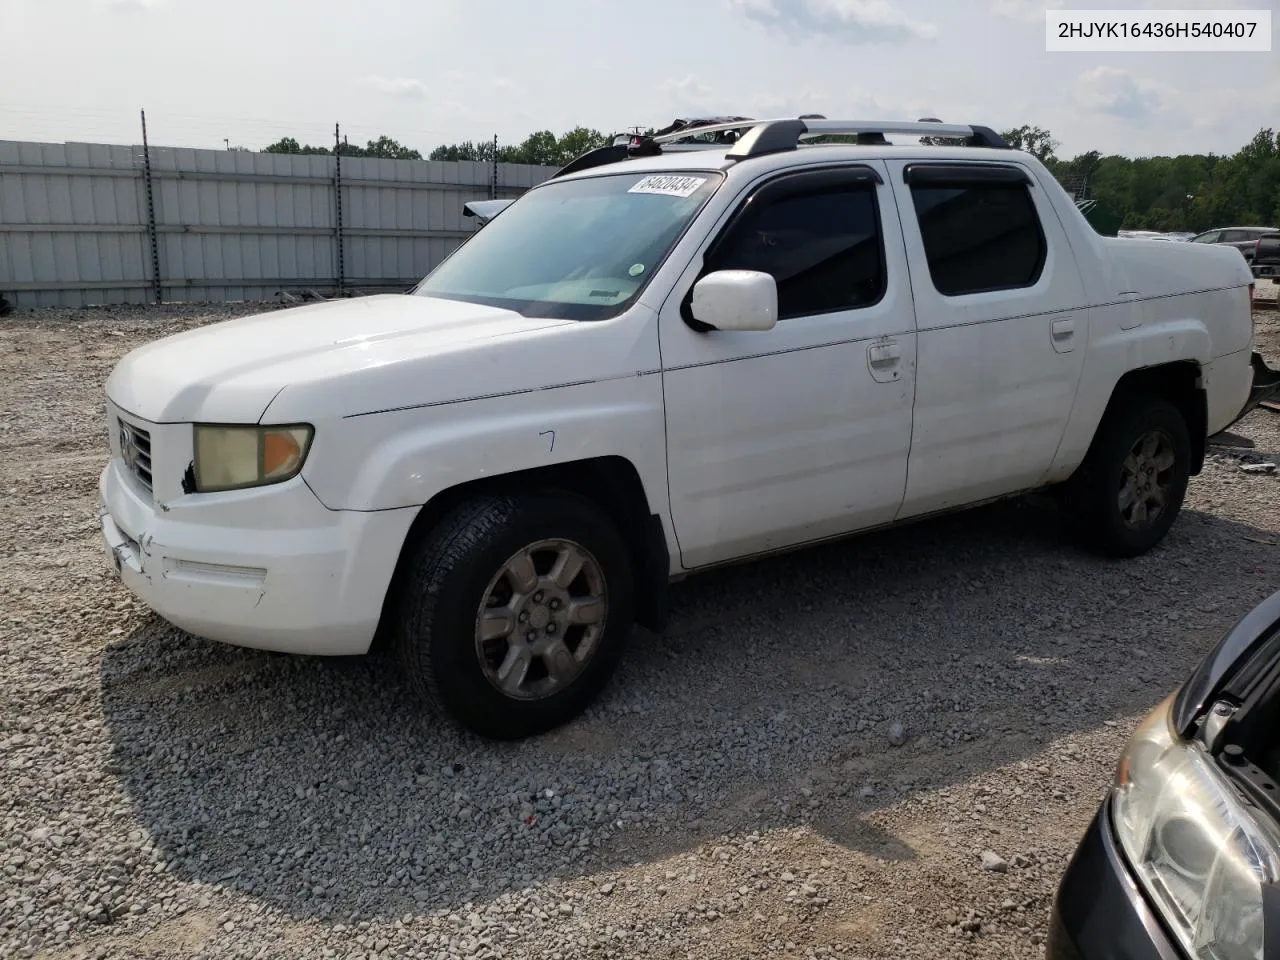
(270,568)
(1099,912)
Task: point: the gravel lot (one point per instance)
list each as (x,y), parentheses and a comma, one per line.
(882,748)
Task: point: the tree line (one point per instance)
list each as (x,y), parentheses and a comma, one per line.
(1190,192)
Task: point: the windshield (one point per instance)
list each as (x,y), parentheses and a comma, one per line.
(576,249)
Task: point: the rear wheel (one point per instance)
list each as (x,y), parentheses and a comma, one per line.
(516,612)
(1129,491)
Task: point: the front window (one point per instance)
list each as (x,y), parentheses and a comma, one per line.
(575,249)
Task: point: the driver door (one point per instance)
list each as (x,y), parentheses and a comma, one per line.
(801,432)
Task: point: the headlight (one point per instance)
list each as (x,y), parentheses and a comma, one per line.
(1195,845)
(228,458)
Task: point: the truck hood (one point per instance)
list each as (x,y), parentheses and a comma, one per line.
(229,372)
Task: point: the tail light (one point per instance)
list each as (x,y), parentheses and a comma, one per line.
(1257,245)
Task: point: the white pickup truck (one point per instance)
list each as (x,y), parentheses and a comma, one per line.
(659,361)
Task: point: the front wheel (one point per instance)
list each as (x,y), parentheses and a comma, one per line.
(516,612)
(1129,491)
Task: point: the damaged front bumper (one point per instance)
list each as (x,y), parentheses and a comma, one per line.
(271,568)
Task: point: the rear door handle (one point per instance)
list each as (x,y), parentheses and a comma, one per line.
(1063,334)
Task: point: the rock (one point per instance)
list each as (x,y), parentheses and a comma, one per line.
(993,862)
(897,733)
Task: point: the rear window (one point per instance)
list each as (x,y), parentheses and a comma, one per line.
(980,237)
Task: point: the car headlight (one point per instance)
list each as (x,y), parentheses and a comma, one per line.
(1194,844)
(229,458)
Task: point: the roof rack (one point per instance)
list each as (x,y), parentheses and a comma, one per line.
(756,138)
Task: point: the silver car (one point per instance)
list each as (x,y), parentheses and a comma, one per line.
(1242,238)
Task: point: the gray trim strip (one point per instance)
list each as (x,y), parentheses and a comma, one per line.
(502,393)
(777,353)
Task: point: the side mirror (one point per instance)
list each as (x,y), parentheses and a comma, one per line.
(736,300)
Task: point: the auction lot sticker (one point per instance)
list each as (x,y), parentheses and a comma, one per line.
(669,186)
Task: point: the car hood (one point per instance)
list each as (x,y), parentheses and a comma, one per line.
(1227,661)
(229,372)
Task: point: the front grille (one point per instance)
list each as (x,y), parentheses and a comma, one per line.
(135,451)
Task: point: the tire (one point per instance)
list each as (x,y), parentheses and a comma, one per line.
(476,555)
(1096,495)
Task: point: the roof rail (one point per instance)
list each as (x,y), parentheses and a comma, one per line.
(788,132)
(774,135)
(760,137)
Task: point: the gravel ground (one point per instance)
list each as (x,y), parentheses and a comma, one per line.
(882,748)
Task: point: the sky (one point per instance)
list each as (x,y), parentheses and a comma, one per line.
(441,71)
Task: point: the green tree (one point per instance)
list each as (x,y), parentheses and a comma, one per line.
(387,149)
(542,148)
(578,141)
(290,145)
(384,148)
(1035,140)
(467,150)
(1190,192)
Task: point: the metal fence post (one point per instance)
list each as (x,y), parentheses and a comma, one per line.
(493,176)
(337,193)
(151,212)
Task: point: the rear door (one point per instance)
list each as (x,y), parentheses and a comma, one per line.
(1001,326)
(1240,239)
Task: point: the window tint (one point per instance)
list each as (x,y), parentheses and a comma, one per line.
(979,236)
(1210,237)
(822,247)
(1236,236)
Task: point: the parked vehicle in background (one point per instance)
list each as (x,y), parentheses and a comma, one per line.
(655,363)
(1266,256)
(1183,857)
(1242,238)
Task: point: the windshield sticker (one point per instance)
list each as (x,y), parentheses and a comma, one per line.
(636,269)
(668,186)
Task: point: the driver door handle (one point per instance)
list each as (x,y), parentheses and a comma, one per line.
(884,354)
